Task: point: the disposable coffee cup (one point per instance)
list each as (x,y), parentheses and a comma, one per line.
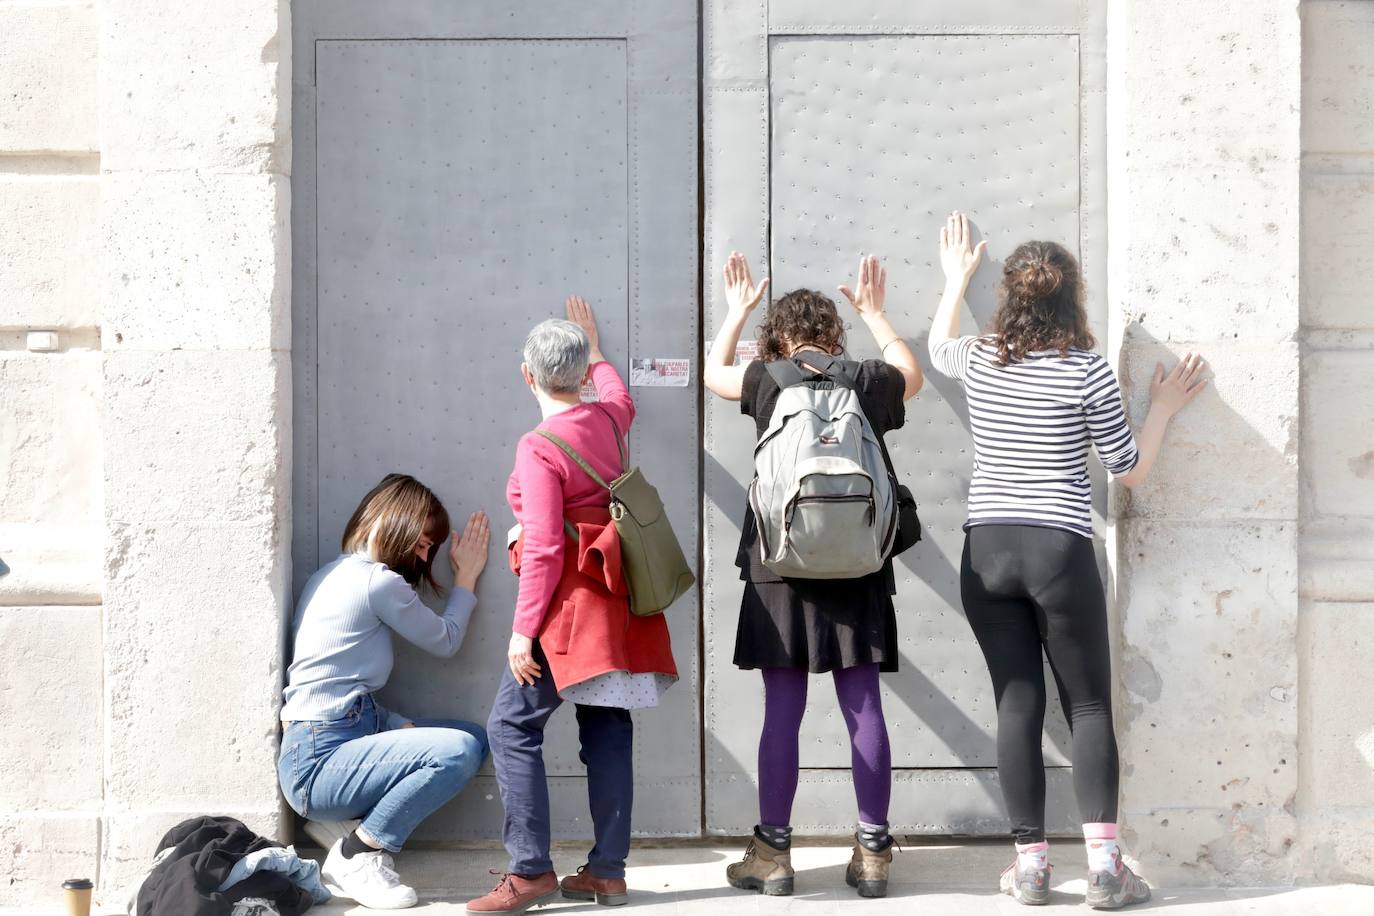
(77,892)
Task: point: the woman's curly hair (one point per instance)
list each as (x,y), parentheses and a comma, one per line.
(802,317)
(1041,303)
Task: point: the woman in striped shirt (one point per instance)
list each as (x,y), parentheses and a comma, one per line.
(1038,397)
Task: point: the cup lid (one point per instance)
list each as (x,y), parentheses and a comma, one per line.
(77,884)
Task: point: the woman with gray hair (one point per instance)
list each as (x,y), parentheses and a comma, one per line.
(573,637)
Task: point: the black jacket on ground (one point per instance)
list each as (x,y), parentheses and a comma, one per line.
(206,849)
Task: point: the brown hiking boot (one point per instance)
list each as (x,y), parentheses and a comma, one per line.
(763,869)
(586,886)
(867,870)
(516,893)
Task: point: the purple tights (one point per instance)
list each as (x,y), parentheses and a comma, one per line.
(871,757)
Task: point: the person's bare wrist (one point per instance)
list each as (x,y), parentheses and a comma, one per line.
(595,357)
(463,580)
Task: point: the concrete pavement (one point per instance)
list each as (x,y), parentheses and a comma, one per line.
(687,879)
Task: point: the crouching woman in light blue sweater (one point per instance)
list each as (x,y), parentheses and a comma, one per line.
(343,756)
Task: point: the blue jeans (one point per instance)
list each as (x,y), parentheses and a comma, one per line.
(368,764)
(517,721)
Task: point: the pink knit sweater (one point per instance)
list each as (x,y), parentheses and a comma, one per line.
(546,483)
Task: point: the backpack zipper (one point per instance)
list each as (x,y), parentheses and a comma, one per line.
(796,501)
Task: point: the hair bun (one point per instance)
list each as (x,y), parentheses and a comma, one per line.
(1039,279)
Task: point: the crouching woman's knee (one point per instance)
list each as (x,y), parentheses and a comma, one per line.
(459,755)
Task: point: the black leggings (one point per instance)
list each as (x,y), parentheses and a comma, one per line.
(1024,588)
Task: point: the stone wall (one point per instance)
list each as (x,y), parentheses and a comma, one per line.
(1335,801)
(144,217)
(1203,111)
(51,517)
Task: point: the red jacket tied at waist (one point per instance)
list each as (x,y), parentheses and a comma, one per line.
(588,629)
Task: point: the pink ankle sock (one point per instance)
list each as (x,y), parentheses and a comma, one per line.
(1033,856)
(1103,852)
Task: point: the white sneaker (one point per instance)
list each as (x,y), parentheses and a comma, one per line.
(368,878)
(327,833)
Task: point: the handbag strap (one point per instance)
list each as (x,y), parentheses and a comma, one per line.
(573,454)
(581,462)
(619,439)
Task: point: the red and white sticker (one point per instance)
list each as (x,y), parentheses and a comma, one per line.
(660,373)
(746,351)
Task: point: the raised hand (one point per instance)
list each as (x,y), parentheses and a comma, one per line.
(468,551)
(1175,390)
(872,288)
(958,256)
(740,292)
(581,314)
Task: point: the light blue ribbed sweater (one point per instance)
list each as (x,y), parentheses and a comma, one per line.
(341,634)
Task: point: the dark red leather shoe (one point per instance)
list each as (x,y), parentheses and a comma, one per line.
(586,886)
(516,893)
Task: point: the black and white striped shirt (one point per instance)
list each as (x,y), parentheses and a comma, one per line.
(1032,423)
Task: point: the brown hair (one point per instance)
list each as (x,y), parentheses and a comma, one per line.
(389,523)
(1041,303)
(803,317)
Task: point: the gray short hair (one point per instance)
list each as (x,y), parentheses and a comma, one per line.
(557,352)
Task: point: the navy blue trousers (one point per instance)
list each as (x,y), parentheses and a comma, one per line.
(516,731)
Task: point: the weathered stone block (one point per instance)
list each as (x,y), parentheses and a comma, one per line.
(49,459)
(1208,847)
(193,671)
(50,729)
(1233,452)
(48,79)
(50,246)
(1208,667)
(38,851)
(1336,845)
(1338,77)
(199,261)
(1209,253)
(1337,465)
(196,86)
(1338,717)
(1208,706)
(197,435)
(1194,72)
(50,523)
(1337,250)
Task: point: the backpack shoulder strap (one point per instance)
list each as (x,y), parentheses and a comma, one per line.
(832,369)
(572,453)
(785,372)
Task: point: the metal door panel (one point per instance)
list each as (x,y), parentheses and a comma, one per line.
(453,193)
(873,143)
(461,184)
(314,20)
(824,17)
(862,127)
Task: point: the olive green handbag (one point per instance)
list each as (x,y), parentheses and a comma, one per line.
(656,571)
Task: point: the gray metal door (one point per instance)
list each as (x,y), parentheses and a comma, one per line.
(459,168)
(838,129)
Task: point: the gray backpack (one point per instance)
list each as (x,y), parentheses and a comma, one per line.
(822,495)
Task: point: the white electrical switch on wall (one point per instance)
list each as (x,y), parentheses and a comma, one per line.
(42,341)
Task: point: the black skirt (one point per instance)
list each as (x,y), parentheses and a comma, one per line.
(815,624)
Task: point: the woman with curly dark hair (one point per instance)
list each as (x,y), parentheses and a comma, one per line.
(1038,397)
(791,627)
